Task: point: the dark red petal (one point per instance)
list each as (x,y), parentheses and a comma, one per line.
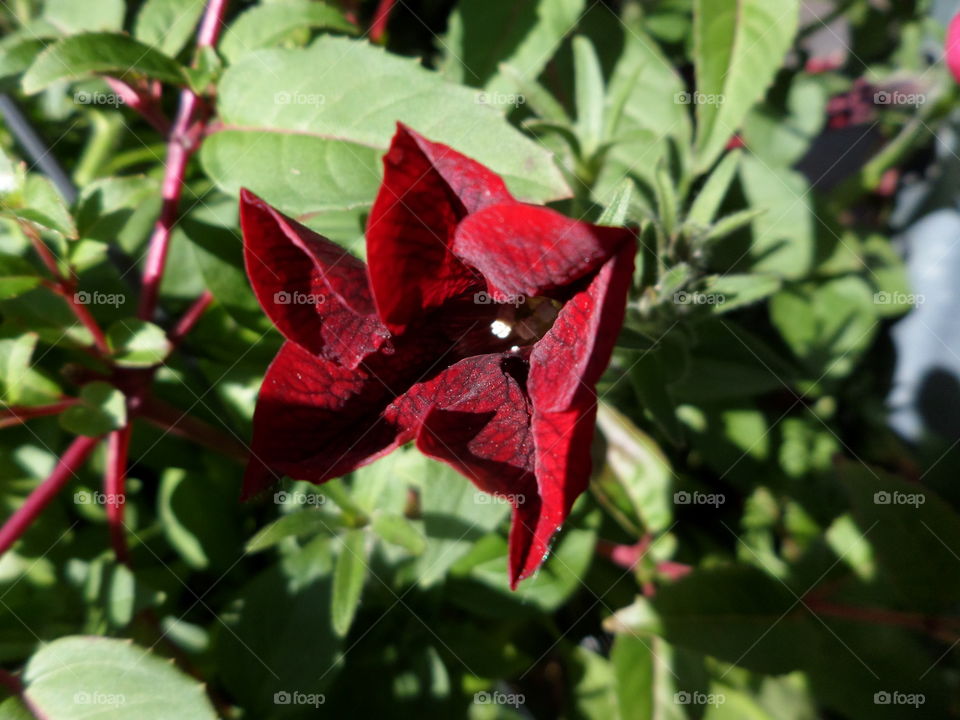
(314,291)
(567,362)
(528,250)
(427,189)
(316,420)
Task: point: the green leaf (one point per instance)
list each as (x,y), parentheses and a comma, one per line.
(707,203)
(738,47)
(589,94)
(77,677)
(17,54)
(42,204)
(730,224)
(640,467)
(77,56)
(397,530)
(666,200)
(348,578)
(649,378)
(19,381)
(536,96)
(137,343)
(13,709)
(74,16)
(102,408)
(304,523)
(783,236)
(268,25)
(302,129)
(615,213)
(737,291)
(167,24)
(524,34)
(115,589)
(17,276)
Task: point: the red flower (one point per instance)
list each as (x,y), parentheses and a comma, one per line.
(479,330)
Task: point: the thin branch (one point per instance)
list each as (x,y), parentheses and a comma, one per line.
(17,415)
(190,318)
(378,28)
(114,485)
(179,423)
(67,465)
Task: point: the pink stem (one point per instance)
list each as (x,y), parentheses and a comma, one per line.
(16,415)
(86,319)
(67,465)
(114,482)
(190,317)
(181,145)
(378,28)
(141,102)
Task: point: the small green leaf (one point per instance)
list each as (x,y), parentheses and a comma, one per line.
(304,523)
(267,25)
(736,291)
(537,97)
(397,530)
(102,408)
(137,343)
(167,24)
(615,213)
(16,276)
(17,54)
(348,579)
(731,223)
(40,203)
(20,382)
(589,94)
(81,55)
(666,199)
(707,203)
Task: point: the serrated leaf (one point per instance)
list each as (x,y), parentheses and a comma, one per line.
(738,46)
(102,408)
(167,24)
(137,343)
(267,25)
(73,677)
(348,578)
(288,127)
(78,56)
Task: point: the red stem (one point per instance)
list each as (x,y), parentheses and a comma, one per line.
(190,318)
(16,415)
(142,102)
(67,465)
(378,28)
(179,423)
(114,483)
(181,144)
(86,319)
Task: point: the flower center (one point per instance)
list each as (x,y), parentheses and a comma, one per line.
(524,323)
